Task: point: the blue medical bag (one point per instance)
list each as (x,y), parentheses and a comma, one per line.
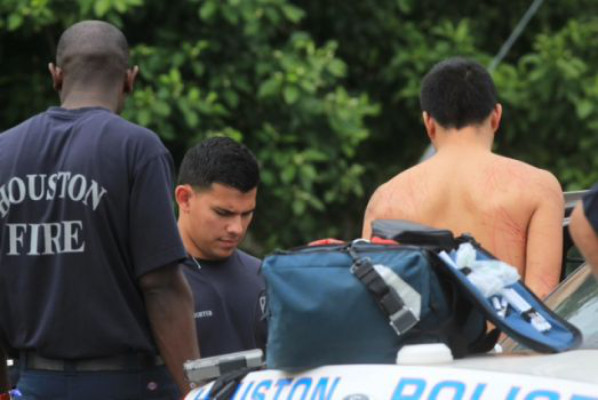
(321,312)
(361,302)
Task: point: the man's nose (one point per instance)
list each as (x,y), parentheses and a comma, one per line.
(235,225)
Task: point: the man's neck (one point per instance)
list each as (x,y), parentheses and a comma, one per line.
(472,138)
(75,99)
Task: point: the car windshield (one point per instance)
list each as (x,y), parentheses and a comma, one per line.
(575,300)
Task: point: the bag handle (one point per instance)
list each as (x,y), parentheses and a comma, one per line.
(401,316)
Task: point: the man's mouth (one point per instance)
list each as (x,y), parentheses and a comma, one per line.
(229,242)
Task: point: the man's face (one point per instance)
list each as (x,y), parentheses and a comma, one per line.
(213,221)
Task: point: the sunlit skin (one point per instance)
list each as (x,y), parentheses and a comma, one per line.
(214,221)
(513,209)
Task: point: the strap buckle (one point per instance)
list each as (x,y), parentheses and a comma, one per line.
(401,317)
(403,320)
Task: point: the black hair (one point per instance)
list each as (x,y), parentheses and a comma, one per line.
(93,51)
(458,92)
(220,160)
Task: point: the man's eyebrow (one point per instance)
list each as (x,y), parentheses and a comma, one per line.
(220,209)
(228,211)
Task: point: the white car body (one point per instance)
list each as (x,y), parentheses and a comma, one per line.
(480,378)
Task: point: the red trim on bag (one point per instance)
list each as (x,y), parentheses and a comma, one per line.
(377,240)
(325,242)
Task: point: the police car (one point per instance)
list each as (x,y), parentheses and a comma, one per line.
(512,373)
(429,372)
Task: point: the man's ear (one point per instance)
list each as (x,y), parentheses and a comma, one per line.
(57,76)
(130,77)
(182,195)
(430,125)
(495,117)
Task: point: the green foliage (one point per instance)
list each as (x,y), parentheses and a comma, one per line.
(552,93)
(325,93)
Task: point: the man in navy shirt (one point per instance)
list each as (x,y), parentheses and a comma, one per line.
(584,227)
(216,195)
(91,290)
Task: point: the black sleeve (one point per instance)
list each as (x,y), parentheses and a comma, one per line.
(590,206)
(155,240)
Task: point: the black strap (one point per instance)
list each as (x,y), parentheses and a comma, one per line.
(390,302)
(226,385)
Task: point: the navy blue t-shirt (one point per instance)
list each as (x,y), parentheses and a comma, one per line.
(229,303)
(85,210)
(590,206)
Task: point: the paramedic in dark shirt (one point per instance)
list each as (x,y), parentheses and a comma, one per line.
(216,195)
(91,289)
(584,227)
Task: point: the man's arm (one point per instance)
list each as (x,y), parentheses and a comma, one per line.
(544,248)
(584,236)
(169,305)
(371,214)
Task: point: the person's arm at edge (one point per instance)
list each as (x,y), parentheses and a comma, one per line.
(370,215)
(584,236)
(169,305)
(4,382)
(544,247)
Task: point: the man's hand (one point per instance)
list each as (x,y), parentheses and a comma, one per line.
(169,305)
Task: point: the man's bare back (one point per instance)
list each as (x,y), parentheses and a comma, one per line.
(513,209)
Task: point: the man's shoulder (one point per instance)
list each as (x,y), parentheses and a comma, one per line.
(16,129)
(130,129)
(398,183)
(533,175)
(247,259)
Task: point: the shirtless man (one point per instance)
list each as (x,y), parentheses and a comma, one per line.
(513,209)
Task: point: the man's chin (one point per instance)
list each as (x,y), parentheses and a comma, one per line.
(222,254)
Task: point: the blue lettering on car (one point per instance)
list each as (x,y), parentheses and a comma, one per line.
(414,388)
(295,389)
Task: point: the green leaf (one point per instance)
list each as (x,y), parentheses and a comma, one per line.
(144,117)
(269,88)
(337,68)
(288,173)
(584,109)
(208,10)
(298,207)
(290,94)
(14,21)
(231,98)
(292,13)
(120,5)
(101,7)
(404,6)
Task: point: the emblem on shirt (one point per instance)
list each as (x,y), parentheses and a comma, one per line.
(203,314)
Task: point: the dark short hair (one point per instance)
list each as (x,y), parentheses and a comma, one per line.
(220,160)
(93,51)
(458,92)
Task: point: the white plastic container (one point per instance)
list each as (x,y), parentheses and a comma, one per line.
(424,354)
